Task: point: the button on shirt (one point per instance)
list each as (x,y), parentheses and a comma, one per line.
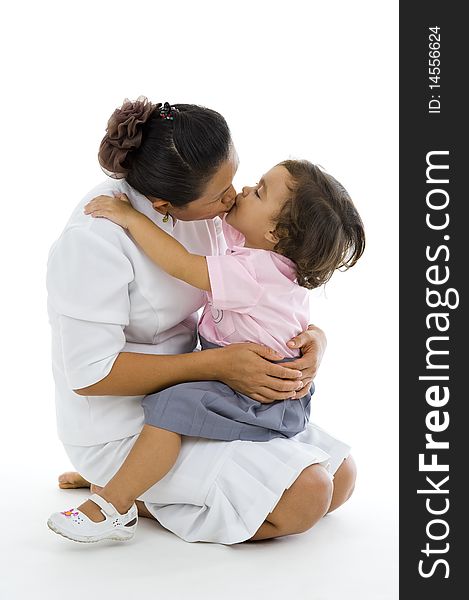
(105,296)
(254,297)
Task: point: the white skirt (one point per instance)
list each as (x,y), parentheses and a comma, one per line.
(218,491)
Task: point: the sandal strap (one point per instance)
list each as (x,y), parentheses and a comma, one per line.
(106,506)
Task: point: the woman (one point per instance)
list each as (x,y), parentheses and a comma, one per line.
(122,328)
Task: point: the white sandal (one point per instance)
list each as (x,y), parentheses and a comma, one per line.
(75,525)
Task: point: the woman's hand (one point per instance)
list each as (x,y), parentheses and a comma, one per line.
(246,368)
(117,209)
(312,344)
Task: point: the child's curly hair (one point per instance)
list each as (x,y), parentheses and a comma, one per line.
(319,228)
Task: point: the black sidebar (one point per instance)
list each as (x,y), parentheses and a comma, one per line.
(434,266)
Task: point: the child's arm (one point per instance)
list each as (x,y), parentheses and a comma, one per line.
(163,249)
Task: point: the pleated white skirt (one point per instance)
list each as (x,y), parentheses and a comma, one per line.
(218,491)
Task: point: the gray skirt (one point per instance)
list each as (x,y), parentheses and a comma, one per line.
(212,410)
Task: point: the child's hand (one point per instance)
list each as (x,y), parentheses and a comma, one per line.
(117,209)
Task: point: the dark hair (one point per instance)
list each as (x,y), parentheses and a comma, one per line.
(168,158)
(319,228)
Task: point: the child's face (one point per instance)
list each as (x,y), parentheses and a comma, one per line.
(256,208)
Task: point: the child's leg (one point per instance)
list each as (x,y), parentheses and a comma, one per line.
(152,456)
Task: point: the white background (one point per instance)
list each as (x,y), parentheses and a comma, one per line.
(307,79)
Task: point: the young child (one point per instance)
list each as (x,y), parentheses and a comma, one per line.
(286,235)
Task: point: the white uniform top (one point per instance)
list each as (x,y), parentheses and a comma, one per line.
(105,296)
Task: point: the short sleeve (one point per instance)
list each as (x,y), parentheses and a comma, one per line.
(89,350)
(87,284)
(233,282)
(88,278)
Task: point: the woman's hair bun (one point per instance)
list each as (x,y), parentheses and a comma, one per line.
(123,135)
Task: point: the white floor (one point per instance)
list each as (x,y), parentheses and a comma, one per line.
(351,554)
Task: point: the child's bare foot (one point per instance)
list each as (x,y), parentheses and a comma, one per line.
(72,480)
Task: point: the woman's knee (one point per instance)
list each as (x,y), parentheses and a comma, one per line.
(305,502)
(344,483)
(317,490)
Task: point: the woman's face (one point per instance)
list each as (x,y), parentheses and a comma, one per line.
(218,198)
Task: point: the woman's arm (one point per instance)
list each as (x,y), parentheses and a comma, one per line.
(140,374)
(244,367)
(163,249)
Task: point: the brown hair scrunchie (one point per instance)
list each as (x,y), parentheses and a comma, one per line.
(123,135)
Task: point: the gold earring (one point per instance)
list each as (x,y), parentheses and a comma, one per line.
(166,218)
